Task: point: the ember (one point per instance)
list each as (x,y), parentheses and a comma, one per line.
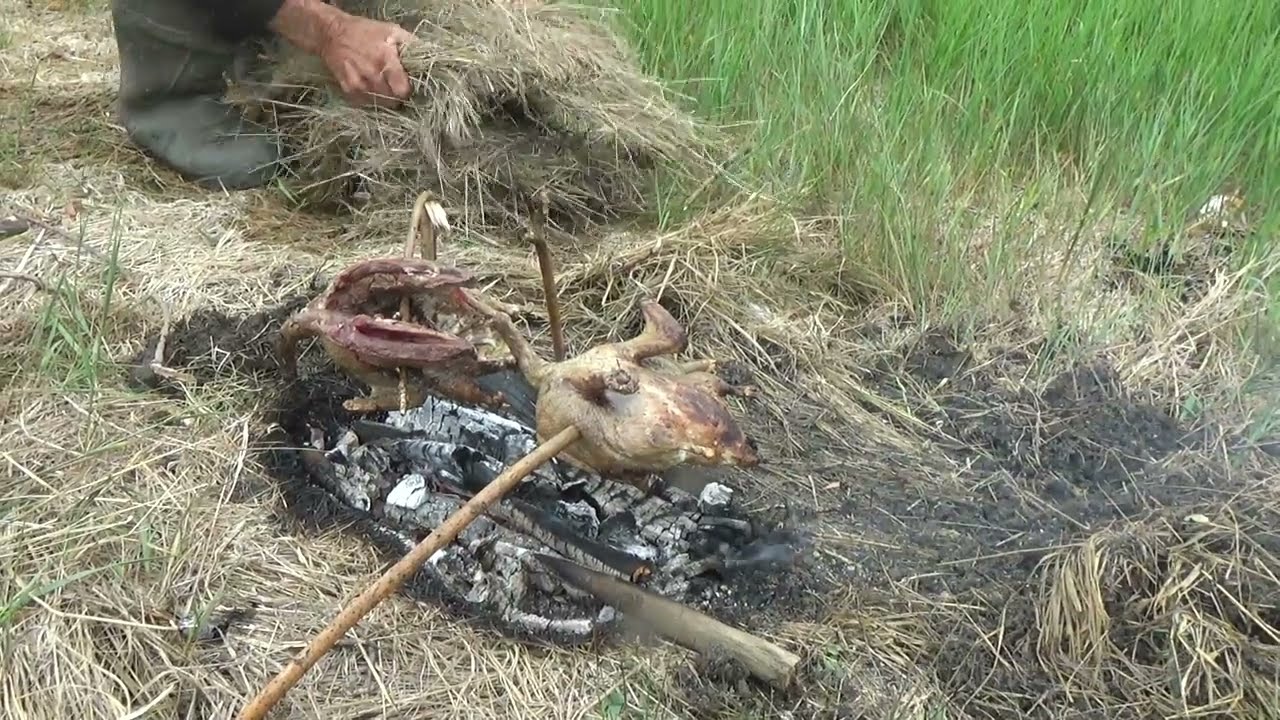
(419,467)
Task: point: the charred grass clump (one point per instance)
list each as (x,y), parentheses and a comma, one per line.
(1178,616)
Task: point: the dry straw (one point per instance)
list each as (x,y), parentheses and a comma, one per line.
(508,100)
(1178,615)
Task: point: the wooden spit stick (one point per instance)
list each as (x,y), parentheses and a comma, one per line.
(397,574)
(681,624)
(538,237)
(420,219)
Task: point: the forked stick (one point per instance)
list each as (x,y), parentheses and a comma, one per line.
(395,576)
(427,209)
(537,236)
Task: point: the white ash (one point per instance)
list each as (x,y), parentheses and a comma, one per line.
(715,496)
(422,466)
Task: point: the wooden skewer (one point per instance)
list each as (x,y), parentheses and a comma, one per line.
(397,574)
(537,236)
(422,218)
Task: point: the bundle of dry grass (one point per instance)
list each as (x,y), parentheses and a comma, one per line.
(1178,617)
(507,101)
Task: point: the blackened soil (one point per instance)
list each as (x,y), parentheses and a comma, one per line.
(1040,469)
(212,346)
(1186,275)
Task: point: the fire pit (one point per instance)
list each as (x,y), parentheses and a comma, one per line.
(411,470)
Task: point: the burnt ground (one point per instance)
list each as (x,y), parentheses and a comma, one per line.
(1021,484)
(213,346)
(1035,472)
(1046,468)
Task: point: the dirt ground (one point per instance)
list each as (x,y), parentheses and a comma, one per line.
(1001,528)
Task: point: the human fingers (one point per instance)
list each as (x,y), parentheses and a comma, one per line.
(349,82)
(362,83)
(400,36)
(397,80)
(390,84)
(388,87)
(390,80)
(397,77)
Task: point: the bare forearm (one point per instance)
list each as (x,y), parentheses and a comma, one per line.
(303,23)
(306,24)
(362,54)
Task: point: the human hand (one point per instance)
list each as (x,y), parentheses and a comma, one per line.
(363,55)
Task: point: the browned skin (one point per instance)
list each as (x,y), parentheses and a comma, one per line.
(377,350)
(634,420)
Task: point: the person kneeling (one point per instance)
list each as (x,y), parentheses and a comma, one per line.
(175,55)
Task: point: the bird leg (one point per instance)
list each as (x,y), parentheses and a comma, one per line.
(662,335)
(531,365)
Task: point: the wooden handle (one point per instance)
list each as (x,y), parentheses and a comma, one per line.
(397,574)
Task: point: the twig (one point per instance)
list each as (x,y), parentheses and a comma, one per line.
(5,274)
(50,228)
(537,230)
(397,574)
(427,213)
(76,243)
(157,365)
(427,209)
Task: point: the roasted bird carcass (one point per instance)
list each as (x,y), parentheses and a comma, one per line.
(635,419)
(376,349)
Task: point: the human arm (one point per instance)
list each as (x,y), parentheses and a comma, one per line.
(363,55)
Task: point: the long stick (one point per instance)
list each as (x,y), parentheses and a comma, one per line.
(538,237)
(422,215)
(684,625)
(396,575)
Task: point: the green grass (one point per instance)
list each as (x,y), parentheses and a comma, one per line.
(71,336)
(909,115)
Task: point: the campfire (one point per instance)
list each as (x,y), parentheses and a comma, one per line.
(555,525)
(420,466)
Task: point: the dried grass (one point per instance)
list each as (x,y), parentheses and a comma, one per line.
(128,518)
(168,483)
(508,100)
(1177,616)
(129,523)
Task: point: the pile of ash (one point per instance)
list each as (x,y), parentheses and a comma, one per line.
(411,472)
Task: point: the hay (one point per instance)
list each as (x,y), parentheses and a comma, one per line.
(1176,616)
(507,101)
